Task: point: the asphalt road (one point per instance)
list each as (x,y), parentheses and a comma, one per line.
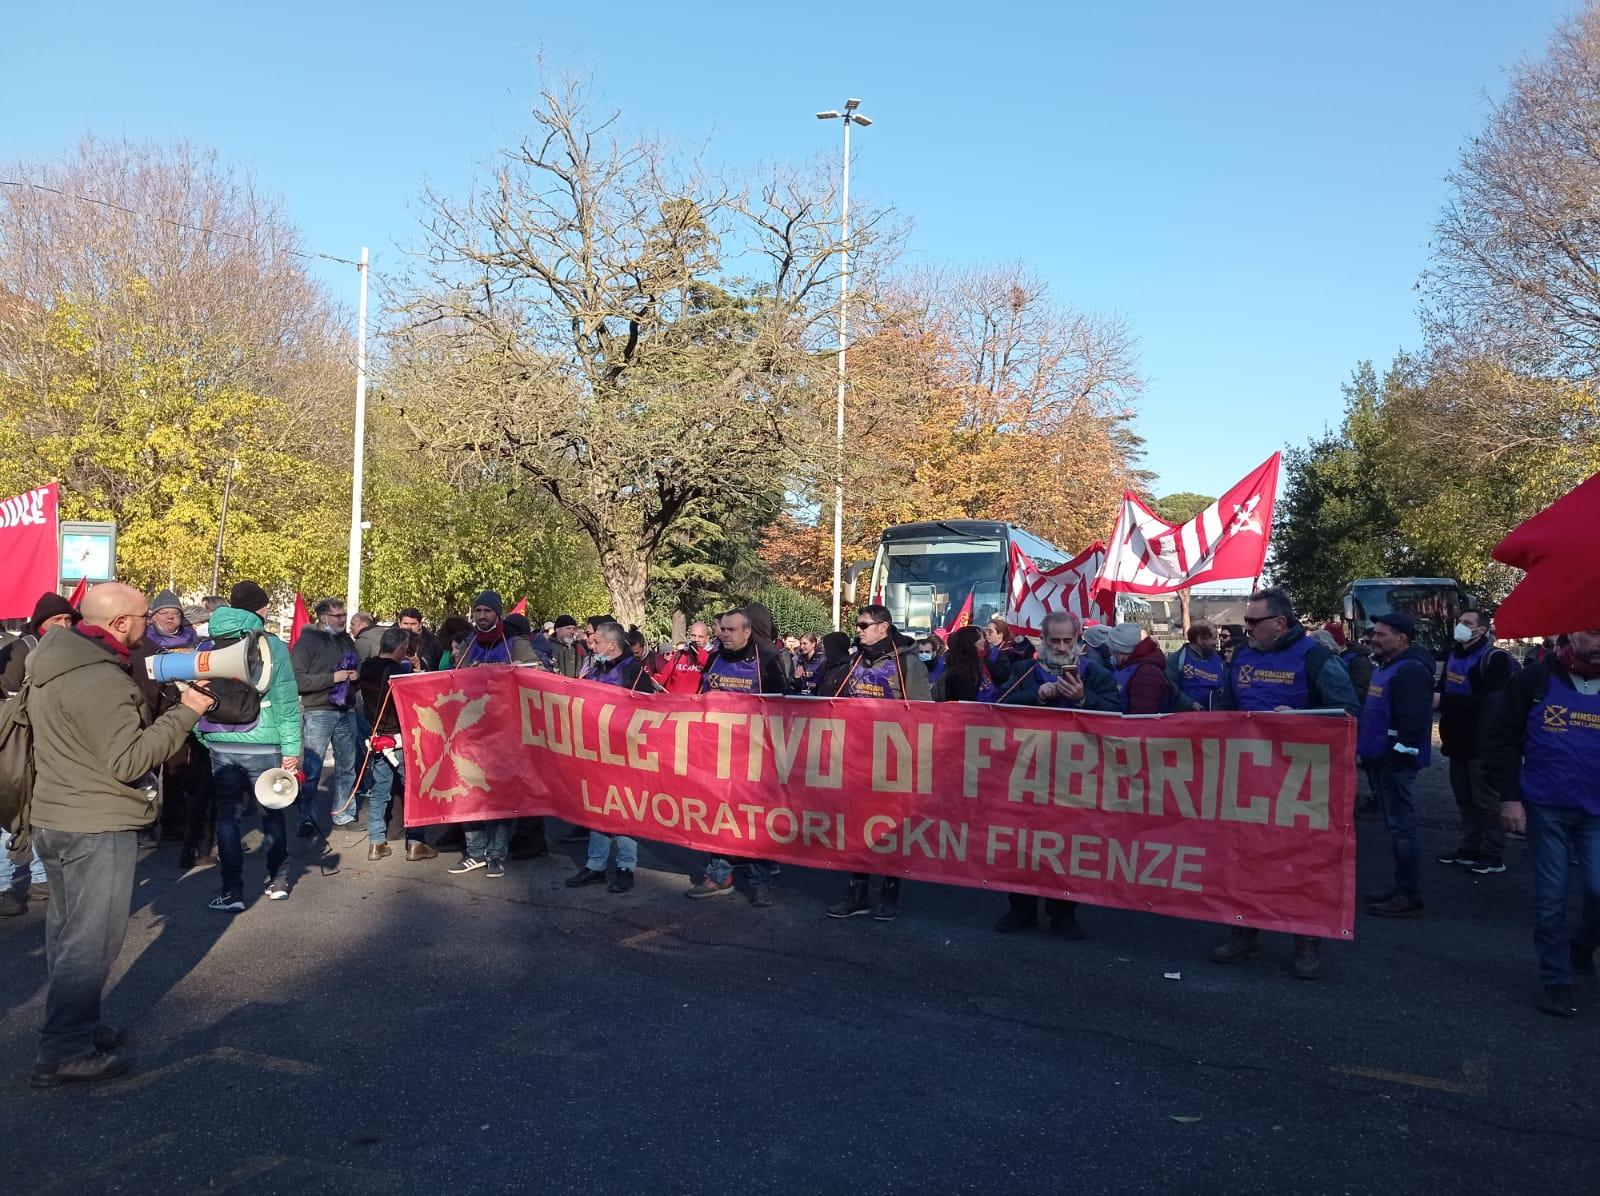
(395,1028)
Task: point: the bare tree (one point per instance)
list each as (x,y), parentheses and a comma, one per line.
(610,325)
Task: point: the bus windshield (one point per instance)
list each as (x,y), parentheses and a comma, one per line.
(925,582)
(1434,605)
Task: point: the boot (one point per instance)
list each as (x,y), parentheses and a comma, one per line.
(855,900)
(888,900)
(1307,957)
(418,850)
(1064,921)
(1022,915)
(1241,945)
(379,851)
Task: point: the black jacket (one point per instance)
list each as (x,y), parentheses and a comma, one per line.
(1461,716)
(911,666)
(770,677)
(316,656)
(372,683)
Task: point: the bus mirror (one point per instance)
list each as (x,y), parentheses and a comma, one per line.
(851,573)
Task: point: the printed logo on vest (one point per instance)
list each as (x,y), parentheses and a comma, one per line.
(1555,718)
(1246,673)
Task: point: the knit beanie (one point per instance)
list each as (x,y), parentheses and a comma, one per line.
(166,600)
(48,606)
(490,599)
(247,595)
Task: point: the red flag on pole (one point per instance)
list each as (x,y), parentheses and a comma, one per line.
(30,549)
(78,591)
(1225,542)
(963,617)
(1560,591)
(521,608)
(299,621)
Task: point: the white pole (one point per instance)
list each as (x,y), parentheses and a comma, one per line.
(838,431)
(353,580)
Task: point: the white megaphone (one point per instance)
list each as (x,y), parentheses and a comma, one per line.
(277,789)
(248,661)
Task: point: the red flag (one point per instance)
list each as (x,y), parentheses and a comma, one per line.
(1561,589)
(29,548)
(1225,542)
(1037,592)
(299,621)
(521,608)
(963,616)
(78,591)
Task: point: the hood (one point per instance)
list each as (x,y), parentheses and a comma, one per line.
(761,622)
(230,620)
(63,651)
(1148,652)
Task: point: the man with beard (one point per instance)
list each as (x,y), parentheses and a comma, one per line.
(1543,756)
(409,618)
(741,665)
(885,666)
(1065,676)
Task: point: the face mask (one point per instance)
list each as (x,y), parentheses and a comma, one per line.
(600,659)
(1464,634)
(925,657)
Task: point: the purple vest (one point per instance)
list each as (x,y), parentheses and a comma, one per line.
(608,674)
(880,679)
(1199,679)
(184,641)
(1125,675)
(498,652)
(737,676)
(1562,745)
(1456,668)
(1372,737)
(1267,680)
(808,672)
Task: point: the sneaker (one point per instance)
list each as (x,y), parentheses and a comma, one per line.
(1459,855)
(96,1065)
(227,902)
(1398,906)
(109,1039)
(278,888)
(706,887)
(623,881)
(495,869)
(888,909)
(584,877)
(1556,1000)
(854,904)
(761,897)
(1487,867)
(467,863)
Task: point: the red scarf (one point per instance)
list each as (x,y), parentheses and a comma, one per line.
(488,639)
(1578,668)
(104,638)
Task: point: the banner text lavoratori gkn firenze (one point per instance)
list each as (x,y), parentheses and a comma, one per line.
(1226,817)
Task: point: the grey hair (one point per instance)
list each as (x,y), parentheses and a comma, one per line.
(1277,600)
(1062,616)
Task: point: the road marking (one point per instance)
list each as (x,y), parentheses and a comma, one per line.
(1474,1079)
(77,1178)
(293,1067)
(645,936)
(253,1166)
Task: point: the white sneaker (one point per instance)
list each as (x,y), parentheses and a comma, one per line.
(278,888)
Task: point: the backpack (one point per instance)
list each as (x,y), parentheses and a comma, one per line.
(238,704)
(16,769)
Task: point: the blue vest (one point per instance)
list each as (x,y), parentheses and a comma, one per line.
(498,652)
(1199,679)
(1267,680)
(1456,668)
(881,679)
(1125,674)
(936,669)
(1372,736)
(1561,748)
(609,674)
(808,672)
(737,676)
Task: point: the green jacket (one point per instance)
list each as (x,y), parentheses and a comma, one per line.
(280,705)
(90,738)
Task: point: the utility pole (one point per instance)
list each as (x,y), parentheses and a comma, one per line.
(353,579)
(222,526)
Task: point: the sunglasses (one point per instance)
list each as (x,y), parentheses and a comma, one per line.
(864,626)
(1249,622)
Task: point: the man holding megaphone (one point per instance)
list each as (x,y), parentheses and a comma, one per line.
(245,738)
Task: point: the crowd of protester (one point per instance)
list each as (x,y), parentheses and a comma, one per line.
(124,762)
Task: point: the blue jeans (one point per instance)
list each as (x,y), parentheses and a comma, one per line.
(91,888)
(488,840)
(761,872)
(600,852)
(1557,835)
(1400,816)
(384,775)
(235,773)
(319,728)
(8,870)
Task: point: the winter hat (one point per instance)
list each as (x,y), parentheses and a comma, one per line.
(1399,621)
(247,595)
(48,606)
(1124,638)
(517,625)
(1096,635)
(166,600)
(565,621)
(490,599)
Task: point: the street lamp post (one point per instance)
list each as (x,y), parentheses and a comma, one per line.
(358,470)
(849,116)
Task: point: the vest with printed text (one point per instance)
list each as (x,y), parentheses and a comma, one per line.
(1561,749)
(1267,680)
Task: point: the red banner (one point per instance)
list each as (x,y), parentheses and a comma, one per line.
(1226,817)
(29,550)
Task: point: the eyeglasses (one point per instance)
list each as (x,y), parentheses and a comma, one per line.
(1249,622)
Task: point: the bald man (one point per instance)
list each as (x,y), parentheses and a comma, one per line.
(96,753)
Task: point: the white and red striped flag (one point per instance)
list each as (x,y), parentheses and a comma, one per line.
(1037,592)
(1225,542)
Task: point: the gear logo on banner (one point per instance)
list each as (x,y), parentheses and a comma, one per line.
(435,746)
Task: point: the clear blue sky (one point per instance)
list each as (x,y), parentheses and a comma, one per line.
(1252,186)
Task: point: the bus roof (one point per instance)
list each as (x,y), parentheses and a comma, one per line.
(947,527)
(1405,581)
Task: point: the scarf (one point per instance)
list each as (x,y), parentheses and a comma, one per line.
(104,638)
(1576,666)
(490,638)
(184,637)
